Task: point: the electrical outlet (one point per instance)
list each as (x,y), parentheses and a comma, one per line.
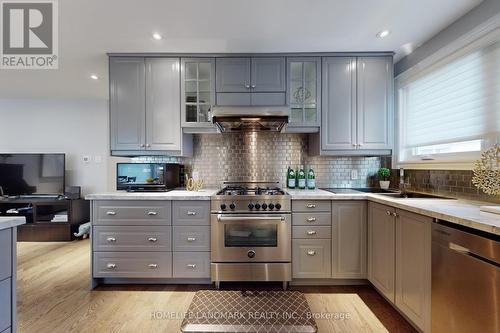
(86,159)
(354,174)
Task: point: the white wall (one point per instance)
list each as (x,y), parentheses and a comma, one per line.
(76,127)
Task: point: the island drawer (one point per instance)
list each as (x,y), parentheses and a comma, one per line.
(312,232)
(311,206)
(191,212)
(191,265)
(5,304)
(191,238)
(132,212)
(312,219)
(5,253)
(133,264)
(131,238)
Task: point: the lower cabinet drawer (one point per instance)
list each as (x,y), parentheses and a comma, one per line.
(191,238)
(131,238)
(311,258)
(312,232)
(191,264)
(312,219)
(5,304)
(133,264)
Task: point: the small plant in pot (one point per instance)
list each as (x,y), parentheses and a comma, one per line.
(383,175)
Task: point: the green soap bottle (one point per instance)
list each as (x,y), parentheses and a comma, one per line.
(301,178)
(311,179)
(290,178)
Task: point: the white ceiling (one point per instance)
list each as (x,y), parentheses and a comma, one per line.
(88,29)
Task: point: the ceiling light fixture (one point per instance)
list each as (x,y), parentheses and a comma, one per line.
(383,33)
(157,36)
(94,77)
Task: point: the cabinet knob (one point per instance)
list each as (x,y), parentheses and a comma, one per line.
(311,219)
(191,213)
(311,206)
(112,213)
(354,145)
(191,239)
(395,214)
(148,145)
(153,266)
(191,265)
(111,239)
(152,213)
(311,253)
(360,144)
(111,266)
(311,232)
(253,85)
(247,86)
(142,145)
(387,212)
(152,239)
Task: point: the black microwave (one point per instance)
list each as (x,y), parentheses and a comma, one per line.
(149,177)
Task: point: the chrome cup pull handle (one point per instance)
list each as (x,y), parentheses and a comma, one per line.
(111,266)
(311,232)
(152,213)
(111,213)
(191,239)
(191,265)
(153,266)
(311,219)
(311,205)
(152,239)
(311,253)
(189,213)
(111,239)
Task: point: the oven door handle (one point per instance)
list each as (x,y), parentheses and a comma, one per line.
(221,218)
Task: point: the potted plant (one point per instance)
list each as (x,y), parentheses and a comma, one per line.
(383,175)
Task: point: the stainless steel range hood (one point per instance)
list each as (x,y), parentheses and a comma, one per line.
(250,118)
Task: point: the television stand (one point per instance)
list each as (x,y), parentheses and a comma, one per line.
(34,196)
(42,225)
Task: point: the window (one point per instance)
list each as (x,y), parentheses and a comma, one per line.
(450,111)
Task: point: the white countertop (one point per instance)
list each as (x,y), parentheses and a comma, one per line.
(10,222)
(461,212)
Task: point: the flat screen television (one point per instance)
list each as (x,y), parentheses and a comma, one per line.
(32,174)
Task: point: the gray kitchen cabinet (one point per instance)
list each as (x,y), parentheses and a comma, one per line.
(356,107)
(191,238)
(163,118)
(304,91)
(5,304)
(374,102)
(197,91)
(131,212)
(381,249)
(191,212)
(268,74)
(413,267)
(132,264)
(8,252)
(233,74)
(127,103)
(254,99)
(349,239)
(311,258)
(191,265)
(132,238)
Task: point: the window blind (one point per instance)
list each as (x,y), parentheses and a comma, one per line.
(456,102)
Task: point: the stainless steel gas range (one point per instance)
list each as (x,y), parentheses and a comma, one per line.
(251,234)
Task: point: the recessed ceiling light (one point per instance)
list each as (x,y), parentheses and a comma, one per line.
(383,33)
(156,36)
(94,77)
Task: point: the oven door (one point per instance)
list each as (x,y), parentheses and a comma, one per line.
(251,238)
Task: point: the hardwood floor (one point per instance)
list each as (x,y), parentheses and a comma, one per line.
(54,296)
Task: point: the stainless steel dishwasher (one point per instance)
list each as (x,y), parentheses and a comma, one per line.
(465,280)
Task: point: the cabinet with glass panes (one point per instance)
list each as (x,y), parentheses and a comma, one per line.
(197,91)
(303,91)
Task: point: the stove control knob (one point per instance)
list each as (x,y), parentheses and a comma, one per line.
(232,206)
(223,206)
(257,206)
(264,206)
(271,206)
(278,206)
(250,206)
(251,254)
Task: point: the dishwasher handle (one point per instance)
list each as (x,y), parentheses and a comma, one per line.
(465,251)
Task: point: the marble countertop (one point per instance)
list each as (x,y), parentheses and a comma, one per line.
(204,194)
(461,212)
(10,222)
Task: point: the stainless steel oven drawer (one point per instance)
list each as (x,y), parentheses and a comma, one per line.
(311,206)
(312,219)
(191,238)
(133,264)
(5,253)
(312,232)
(191,265)
(131,238)
(191,212)
(130,212)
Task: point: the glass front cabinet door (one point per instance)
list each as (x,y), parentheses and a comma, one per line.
(303,91)
(197,91)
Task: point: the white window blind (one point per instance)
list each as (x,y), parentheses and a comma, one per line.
(450,104)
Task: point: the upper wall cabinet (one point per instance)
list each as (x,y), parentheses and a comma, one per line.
(145,107)
(356,115)
(250,81)
(197,91)
(303,91)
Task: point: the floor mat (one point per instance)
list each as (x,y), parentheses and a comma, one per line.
(248,311)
